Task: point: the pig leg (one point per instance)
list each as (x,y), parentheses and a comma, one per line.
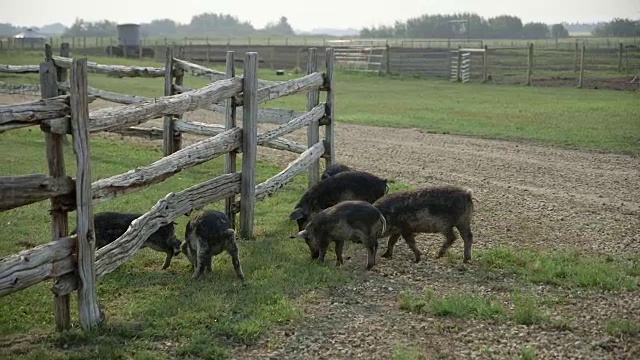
(410,239)
(339,249)
(467,237)
(372,249)
(236,261)
(450,237)
(186,249)
(167,260)
(390,244)
(203,259)
(321,253)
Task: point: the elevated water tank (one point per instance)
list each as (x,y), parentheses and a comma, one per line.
(129,35)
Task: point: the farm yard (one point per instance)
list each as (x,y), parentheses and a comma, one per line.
(555,269)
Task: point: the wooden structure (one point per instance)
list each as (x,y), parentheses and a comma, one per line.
(461,64)
(359,55)
(72,261)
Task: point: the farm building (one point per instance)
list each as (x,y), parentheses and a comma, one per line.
(29,37)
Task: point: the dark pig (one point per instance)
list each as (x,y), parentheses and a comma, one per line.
(111,225)
(429,210)
(334,169)
(208,234)
(354,220)
(348,185)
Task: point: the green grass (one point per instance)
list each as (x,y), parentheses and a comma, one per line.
(528,353)
(147,307)
(622,328)
(602,120)
(401,352)
(565,268)
(456,305)
(528,309)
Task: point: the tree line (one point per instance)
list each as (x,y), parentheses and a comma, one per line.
(201,24)
(468,25)
(454,26)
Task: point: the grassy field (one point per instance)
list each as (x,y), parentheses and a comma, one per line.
(165,314)
(576,118)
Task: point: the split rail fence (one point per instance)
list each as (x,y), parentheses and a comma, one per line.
(72,261)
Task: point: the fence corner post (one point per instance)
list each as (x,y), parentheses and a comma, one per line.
(313,130)
(230,164)
(168,128)
(249,144)
(90,314)
(55,159)
(330,128)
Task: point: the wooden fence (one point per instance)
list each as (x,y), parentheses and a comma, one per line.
(72,261)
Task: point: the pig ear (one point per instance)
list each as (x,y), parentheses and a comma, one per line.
(296,214)
(303,234)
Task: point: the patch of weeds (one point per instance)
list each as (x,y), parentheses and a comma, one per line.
(528,353)
(457,305)
(565,268)
(622,327)
(528,309)
(401,352)
(562,325)
(201,346)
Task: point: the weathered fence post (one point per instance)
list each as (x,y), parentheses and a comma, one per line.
(179,81)
(249,143)
(387,52)
(529,64)
(459,65)
(620,52)
(62,72)
(330,128)
(313,130)
(581,76)
(230,122)
(55,160)
(90,314)
(168,128)
(485,64)
(575,58)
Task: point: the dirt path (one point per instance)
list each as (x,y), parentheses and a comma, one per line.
(528,196)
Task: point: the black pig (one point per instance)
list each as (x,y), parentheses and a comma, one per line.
(348,185)
(354,220)
(334,169)
(208,234)
(111,225)
(428,210)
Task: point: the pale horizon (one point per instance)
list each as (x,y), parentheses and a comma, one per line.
(305,16)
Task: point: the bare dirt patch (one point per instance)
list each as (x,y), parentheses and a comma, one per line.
(529,196)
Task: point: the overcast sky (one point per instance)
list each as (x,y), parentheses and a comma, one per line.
(306,15)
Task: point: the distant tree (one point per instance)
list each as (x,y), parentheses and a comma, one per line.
(505,26)
(7,29)
(618,27)
(160,27)
(281,28)
(535,31)
(210,23)
(103,28)
(400,29)
(559,31)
